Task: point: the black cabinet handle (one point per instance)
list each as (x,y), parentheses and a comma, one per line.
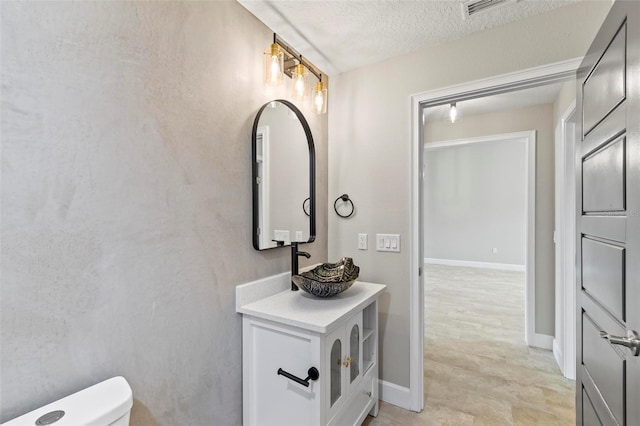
(313,374)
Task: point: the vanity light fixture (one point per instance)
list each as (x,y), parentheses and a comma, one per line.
(273,65)
(319,98)
(453,112)
(283,59)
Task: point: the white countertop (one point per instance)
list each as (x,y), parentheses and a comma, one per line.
(300,309)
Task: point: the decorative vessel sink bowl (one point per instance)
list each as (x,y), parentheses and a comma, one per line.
(328,279)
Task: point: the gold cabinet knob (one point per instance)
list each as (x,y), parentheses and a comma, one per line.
(347,361)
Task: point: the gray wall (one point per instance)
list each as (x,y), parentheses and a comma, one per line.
(126,202)
(370,145)
(475,201)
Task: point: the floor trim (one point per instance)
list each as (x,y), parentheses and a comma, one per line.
(472,264)
(395,394)
(542,341)
(557,354)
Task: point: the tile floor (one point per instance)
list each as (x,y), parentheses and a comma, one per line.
(478,370)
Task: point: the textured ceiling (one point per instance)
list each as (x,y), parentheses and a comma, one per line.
(341,35)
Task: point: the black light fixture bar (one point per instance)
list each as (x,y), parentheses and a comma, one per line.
(294,56)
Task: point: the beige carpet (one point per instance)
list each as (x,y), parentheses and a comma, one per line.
(478,370)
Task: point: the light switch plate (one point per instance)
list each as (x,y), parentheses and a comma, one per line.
(282,235)
(363,241)
(388,242)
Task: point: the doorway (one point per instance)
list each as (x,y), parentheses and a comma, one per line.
(562,71)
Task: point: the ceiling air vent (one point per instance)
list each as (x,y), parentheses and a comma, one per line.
(473,7)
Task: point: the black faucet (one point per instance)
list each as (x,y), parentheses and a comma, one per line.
(294,262)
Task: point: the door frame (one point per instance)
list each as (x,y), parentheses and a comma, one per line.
(564,343)
(529,139)
(532,77)
(262,134)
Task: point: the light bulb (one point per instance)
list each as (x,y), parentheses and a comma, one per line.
(275,70)
(300,86)
(299,82)
(319,99)
(453,113)
(273,66)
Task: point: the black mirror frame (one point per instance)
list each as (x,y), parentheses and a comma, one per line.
(312,174)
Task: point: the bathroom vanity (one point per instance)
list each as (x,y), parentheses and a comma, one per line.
(308,360)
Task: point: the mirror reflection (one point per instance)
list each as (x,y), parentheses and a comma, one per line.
(283,177)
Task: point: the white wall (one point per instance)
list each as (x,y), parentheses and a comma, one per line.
(126,202)
(475,202)
(370,145)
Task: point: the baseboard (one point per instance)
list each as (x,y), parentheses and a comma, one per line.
(557,354)
(394,394)
(542,341)
(471,264)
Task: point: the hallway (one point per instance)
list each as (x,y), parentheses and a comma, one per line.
(478,370)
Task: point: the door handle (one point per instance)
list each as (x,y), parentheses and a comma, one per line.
(347,361)
(632,341)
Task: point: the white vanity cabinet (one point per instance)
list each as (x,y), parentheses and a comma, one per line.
(292,332)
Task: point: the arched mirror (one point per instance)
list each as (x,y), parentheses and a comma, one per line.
(284,196)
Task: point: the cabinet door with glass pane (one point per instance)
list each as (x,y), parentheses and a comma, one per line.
(335,354)
(343,362)
(353,364)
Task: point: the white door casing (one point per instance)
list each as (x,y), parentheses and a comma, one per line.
(499,84)
(564,345)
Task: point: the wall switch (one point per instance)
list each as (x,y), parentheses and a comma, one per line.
(362,241)
(495,250)
(388,242)
(299,236)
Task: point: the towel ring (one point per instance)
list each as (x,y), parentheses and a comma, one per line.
(345,198)
(305,206)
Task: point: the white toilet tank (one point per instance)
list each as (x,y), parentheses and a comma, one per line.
(106,404)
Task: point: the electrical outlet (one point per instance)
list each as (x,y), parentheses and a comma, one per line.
(298,235)
(362,241)
(495,250)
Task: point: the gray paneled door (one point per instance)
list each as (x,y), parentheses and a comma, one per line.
(608,261)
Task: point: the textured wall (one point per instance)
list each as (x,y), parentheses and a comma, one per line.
(475,201)
(539,118)
(126,202)
(370,143)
